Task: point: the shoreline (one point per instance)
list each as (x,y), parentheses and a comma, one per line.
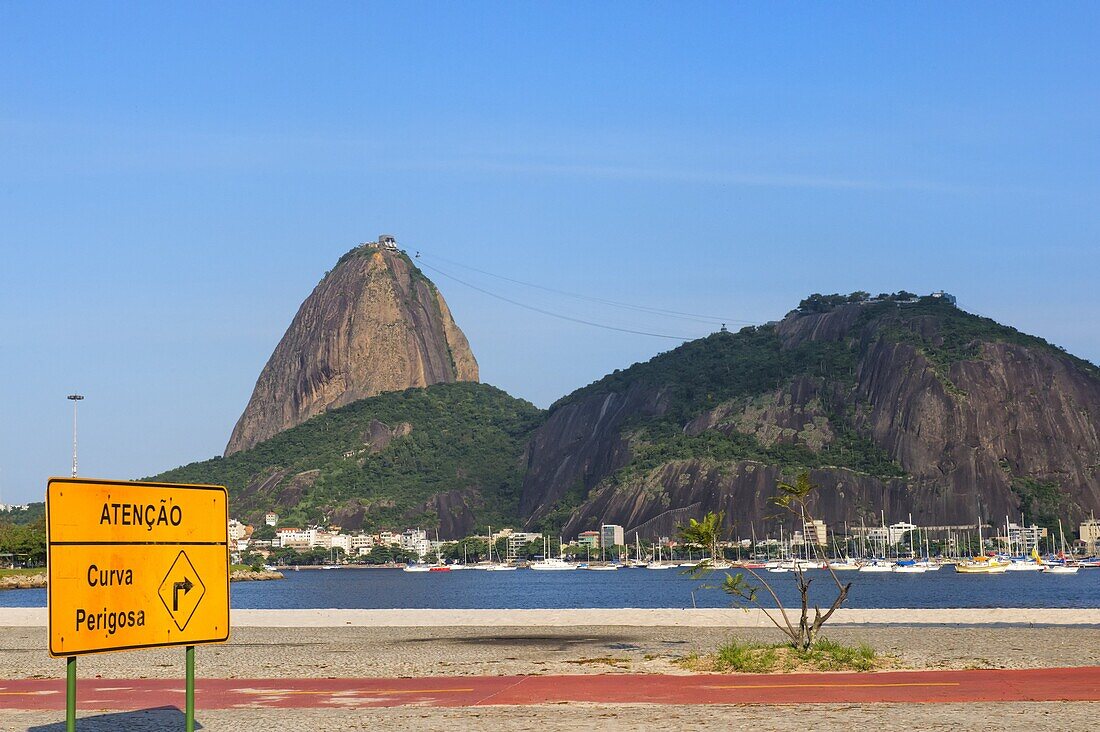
(38,581)
(610,617)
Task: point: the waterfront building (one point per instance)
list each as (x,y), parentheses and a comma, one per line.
(340,541)
(1090,535)
(815,532)
(517,540)
(237,530)
(893,534)
(360,544)
(611,535)
(1022,539)
(292,537)
(590,539)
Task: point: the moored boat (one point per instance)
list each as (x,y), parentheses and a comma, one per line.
(551,564)
(877,565)
(982,565)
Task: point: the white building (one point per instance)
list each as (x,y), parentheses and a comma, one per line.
(340,541)
(237,530)
(416,540)
(360,544)
(1022,539)
(293,538)
(519,539)
(813,532)
(1090,535)
(894,533)
(271,519)
(611,535)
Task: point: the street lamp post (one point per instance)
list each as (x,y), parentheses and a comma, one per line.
(70,662)
(74,398)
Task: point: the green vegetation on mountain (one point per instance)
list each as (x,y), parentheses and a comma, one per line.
(466,438)
(1042,502)
(957,335)
(712,371)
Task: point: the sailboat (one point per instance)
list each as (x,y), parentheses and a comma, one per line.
(496,566)
(981,564)
(1064,567)
(838,564)
(551,564)
(331,560)
(637,563)
(910,566)
(876,564)
(659,564)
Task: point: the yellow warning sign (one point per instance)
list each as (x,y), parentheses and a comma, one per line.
(135,565)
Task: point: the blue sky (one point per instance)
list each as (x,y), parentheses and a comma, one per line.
(176,178)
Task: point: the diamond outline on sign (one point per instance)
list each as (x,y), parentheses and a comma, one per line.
(198,583)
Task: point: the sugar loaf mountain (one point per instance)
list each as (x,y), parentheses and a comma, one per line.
(369,414)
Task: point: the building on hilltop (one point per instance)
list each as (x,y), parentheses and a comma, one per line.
(271,519)
(945,296)
(387,241)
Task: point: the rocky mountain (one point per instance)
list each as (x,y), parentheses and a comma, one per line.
(447,458)
(895,404)
(373,324)
(898,404)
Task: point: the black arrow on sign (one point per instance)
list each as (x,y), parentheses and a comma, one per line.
(185,586)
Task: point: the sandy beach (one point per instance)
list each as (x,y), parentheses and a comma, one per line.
(282,644)
(335,643)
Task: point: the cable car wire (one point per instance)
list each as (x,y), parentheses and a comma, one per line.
(551,314)
(678,314)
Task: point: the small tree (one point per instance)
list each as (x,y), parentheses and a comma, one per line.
(705,533)
(792,499)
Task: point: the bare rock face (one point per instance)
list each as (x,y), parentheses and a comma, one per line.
(374,324)
(952,417)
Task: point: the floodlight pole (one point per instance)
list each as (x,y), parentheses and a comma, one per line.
(70,662)
(74,398)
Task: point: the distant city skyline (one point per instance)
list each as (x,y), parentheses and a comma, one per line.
(174,181)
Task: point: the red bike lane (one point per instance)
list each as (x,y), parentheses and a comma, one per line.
(1055,684)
